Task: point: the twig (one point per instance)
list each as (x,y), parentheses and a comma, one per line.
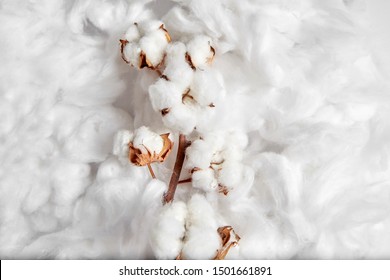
(151,171)
(189,180)
(183,144)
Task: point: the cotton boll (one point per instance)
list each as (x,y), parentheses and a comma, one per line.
(121,143)
(132,33)
(199,155)
(180,118)
(177,69)
(154,45)
(165,95)
(131,53)
(204,180)
(146,140)
(202,239)
(230,174)
(201,212)
(201,243)
(205,88)
(200,51)
(168,233)
(215,139)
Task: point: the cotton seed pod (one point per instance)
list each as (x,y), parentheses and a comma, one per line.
(177,69)
(199,52)
(229,239)
(148,147)
(169,231)
(164,95)
(205,88)
(204,180)
(144,44)
(180,118)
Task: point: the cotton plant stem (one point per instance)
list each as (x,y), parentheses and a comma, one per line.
(189,180)
(183,144)
(151,171)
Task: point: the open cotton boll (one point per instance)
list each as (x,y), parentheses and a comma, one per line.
(201,243)
(200,50)
(199,155)
(164,95)
(230,174)
(180,118)
(216,140)
(177,68)
(131,53)
(202,239)
(167,235)
(201,212)
(144,44)
(204,180)
(153,45)
(121,143)
(132,33)
(205,88)
(145,139)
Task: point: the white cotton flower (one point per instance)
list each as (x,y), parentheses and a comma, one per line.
(147,140)
(167,235)
(121,143)
(200,51)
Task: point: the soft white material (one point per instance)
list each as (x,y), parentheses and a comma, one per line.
(199,50)
(148,38)
(147,140)
(304,86)
(202,240)
(121,143)
(169,231)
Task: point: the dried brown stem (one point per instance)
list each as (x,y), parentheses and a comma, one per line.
(189,180)
(151,171)
(183,144)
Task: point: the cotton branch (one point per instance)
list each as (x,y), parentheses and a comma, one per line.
(183,144)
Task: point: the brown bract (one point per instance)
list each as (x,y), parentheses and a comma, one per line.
(229,239)
(141,159)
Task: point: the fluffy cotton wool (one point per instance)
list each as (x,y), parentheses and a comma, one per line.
(169,231)
(202,240)
(146,140)
(306,82)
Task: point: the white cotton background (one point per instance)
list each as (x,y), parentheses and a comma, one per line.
(306,81)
